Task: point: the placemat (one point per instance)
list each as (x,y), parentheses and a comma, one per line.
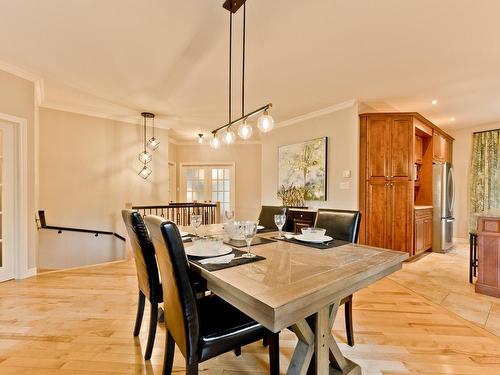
(256,241)
(266,230)
(233,263)
(328,245)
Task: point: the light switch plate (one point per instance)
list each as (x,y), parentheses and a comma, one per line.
(346,173)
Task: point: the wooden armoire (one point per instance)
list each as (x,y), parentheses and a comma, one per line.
(393,180)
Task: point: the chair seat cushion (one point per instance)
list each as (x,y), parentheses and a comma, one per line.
(224,328)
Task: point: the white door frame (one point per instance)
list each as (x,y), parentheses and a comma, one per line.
(21,213)
(229,164)
(175,193)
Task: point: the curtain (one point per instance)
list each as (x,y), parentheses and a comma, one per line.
(484,174)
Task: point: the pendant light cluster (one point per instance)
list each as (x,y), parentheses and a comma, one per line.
(244,129)
(153,143)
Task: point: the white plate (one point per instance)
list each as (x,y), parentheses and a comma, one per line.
(184,234)
(259,227)
(207,252)
(321,239)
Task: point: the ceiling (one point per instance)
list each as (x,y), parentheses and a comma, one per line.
(117,58)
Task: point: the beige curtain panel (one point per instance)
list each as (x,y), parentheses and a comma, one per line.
(484,174)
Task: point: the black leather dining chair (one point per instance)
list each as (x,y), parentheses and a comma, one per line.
(202,328)
(341,225)
(266,216)
(147,274)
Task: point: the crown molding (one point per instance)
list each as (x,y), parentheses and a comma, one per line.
(318,113)
(19,72)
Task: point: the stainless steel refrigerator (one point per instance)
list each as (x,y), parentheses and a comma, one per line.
(443,200)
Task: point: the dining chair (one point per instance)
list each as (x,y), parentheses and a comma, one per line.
(147,274)
(202,328)
(266,216)
(341,225)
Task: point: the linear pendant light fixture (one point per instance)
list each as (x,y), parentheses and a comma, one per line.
(145,157)
(265,123)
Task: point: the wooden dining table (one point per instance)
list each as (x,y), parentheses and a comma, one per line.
(300,288)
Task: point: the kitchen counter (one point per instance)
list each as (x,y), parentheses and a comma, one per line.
(422,207)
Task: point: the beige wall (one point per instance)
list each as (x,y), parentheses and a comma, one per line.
(17,99)
(247,159)
(88,172)
(342,129)
(462,149)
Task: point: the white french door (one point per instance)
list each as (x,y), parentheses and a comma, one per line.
(6,201)
(208,183)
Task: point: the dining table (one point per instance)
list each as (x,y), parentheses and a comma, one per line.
(300,288)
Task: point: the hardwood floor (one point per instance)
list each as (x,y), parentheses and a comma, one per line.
(80,321)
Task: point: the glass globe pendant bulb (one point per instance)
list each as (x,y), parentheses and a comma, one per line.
(153,143)
(200,138)
(228,137)
(145,172)
(245,130)
(265,123)
(214,142)
(145,157)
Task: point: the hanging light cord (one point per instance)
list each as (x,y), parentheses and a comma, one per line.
(153,127)
(230,61)
(145,134)
(243,70)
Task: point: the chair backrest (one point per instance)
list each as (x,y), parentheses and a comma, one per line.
(144,255)
(266,216)
(339,224)
(181,314)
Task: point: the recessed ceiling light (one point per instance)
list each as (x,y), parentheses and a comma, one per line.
(434,102)
(452,118)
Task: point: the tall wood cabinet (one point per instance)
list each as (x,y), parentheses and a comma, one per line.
(396,152)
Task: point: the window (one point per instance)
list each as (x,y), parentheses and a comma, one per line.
(209,183)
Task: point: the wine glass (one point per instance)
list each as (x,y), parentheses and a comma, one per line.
(280,220)
(196,222)
(229,215)
(248,231)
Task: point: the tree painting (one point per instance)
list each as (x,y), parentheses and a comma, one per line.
(303,165)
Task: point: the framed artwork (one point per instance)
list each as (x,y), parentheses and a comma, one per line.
(303,171)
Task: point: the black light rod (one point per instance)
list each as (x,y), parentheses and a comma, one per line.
(267,106)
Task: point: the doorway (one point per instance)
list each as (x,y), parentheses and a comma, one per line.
(7,199)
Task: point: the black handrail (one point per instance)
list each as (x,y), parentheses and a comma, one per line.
(43,225)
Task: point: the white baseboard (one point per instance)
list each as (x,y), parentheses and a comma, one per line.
(29,273)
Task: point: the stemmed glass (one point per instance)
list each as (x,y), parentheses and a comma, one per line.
(280,220)
(196,222)
(229,215)
(248,230)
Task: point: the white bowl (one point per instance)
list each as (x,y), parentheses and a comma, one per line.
(313,233)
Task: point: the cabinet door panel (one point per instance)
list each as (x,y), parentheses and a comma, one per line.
(419,235)
(427,233)
(377,213)
(378,136)
(437,146)
(401,155)
(401,215)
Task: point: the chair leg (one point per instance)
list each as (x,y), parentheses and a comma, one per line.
(168,359)
(274,354)
(192,368)
(161,315)
(348,322)
(153,321)
(140,313)
(471,257)
(237,351)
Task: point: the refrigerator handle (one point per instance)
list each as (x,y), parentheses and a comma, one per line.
(452,182)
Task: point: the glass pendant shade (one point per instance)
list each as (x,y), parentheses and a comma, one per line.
(153,143)
(145,157)
(265,122)
(200,138)
(245,130)
(214,142)
(145,172)
(229,137)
